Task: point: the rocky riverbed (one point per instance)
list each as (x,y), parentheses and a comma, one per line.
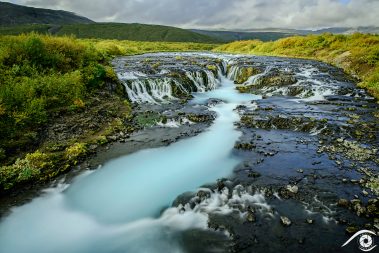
(307,155)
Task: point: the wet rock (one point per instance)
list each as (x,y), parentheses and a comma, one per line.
(220,185)
(200,118)
(285,221)
(293,189)
(343,203)
(285,193)
(213,101)
(250,216)
(358,207)
(310,221)
(245,146)
(203,195)
(254,174)
(352,229)
(350,149)
(372,210)
(301,241)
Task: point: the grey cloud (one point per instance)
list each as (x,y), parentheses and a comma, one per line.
(224,13)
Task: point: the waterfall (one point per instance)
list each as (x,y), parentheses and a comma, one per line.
(255,78)
(149,90)
(233,72)
(142,89)
(197,80)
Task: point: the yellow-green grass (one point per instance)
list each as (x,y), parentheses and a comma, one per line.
(357,54)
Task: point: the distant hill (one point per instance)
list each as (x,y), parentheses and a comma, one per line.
(138,32)
(229,36)
(17,19)
(12,14)
(271,34)
(334,30)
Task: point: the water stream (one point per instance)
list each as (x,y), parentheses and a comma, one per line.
(127,204)
(118,208)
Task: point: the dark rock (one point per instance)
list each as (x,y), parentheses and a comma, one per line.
(343,203)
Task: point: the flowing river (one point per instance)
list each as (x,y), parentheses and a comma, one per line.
(117,208)
(271,146)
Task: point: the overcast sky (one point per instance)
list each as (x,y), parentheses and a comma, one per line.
(229,14)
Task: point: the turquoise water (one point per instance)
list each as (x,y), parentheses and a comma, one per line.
(117,208)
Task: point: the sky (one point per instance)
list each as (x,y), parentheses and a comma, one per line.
(224,14)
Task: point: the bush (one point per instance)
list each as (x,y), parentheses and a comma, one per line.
(24,170)
(75,151)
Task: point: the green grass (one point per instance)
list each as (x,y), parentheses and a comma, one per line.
(118,31)
(42,76)
(357,54)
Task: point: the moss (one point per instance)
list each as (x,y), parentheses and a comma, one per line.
(373,185)
(212,68)
(245,73)
(156,65)
(102,140)
(147,119)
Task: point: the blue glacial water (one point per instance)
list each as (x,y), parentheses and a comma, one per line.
(117,208)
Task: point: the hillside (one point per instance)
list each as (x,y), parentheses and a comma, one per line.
(134,32)
(271,34)
(137,32)
(229,36)
(12,14)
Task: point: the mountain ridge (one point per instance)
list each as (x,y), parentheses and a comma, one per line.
(13,14)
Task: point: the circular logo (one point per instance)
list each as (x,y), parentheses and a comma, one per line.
(365,242)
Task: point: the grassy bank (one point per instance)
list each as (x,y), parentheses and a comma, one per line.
(357,54)
(60,84)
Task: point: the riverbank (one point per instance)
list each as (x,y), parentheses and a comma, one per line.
(59,100)
(357,54)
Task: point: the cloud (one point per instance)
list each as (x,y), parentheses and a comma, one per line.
(232,14)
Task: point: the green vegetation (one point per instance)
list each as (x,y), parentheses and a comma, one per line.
(45,79)
(357,54)
(229,36)
(135,32)
(20,29)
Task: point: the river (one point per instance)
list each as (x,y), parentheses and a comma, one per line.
(117,208)
(283,153)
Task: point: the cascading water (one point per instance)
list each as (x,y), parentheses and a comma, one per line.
(115,208)
(159,89)
(118,208)
(255,78)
